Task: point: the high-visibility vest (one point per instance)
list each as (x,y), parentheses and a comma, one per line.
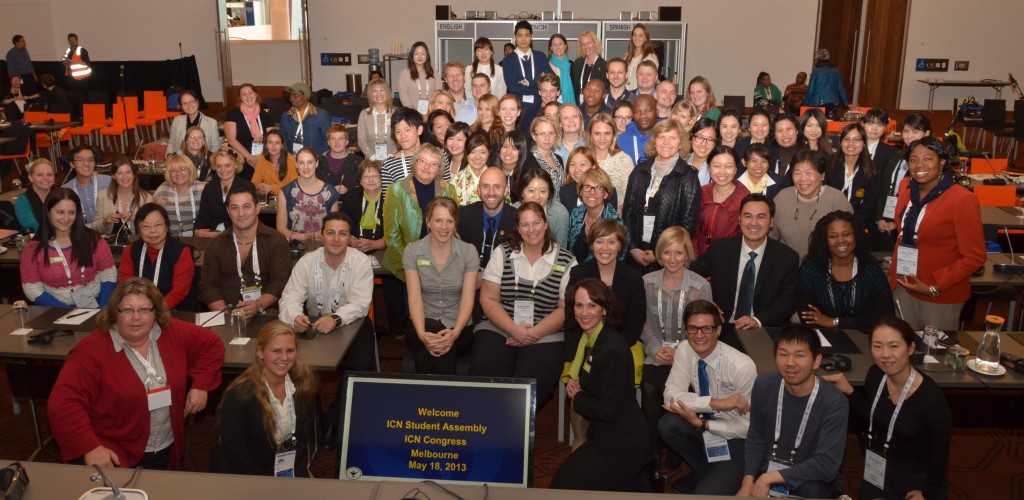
(77,68)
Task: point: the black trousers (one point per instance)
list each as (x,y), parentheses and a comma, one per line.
(592,468)
(151,460)
(437,365)
(397,304)
(360,357)
(541,362)
(716,478)
(652,396)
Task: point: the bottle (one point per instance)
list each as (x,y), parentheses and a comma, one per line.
(989,350)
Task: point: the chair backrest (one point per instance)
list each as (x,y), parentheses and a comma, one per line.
(988,166)
(131,109)
(154,103)
(803,109)
(993,113)
(1018,120)
(35,116)
(59,118)
(996,196)
(94,115)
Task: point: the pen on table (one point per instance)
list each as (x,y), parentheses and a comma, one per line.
(77,314)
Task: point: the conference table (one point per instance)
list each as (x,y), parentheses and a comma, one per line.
(934,83)
(50,481)
(856,346)
(1002,217)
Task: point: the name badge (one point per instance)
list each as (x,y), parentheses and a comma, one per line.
(558,268)
(527,99)
(906,260)
(670,343)
(777,490)
(284,464)
(889,212)
(874,469)
(252,293)
(648,228)
(159,398)
(56,259)
(422,105)
(296,147)
(380,152)
(256,149)
(83,298)
(422,262)
(523,313)
(716,449)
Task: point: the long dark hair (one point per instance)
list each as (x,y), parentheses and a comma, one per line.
(864,163)
(823,144)
(515,241)
(83,239)
(136,189)
(282,159)
(427,68)
(524,178)
(817,248)
(482,43)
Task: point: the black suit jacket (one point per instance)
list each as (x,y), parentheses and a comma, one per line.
(774,288)
(599,71)
(627,286)
(471,225)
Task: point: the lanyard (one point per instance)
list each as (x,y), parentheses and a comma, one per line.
(283,417)
(95,190)
(177,208)
(151,373)
(853,294)
(894,183)
(636,152)
(896,412)
(126,211)
(142,264)
(419,89)
(515,272)
(848,184)
(653,187)
(522,67)
(917,227)
(67,270)
(255,258)
(301,118)
(803,420)
(387,126)
(318,285)
(259,124)
(662,314)
(405,166)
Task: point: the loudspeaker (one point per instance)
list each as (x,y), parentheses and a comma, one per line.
(670,13)
(442,12)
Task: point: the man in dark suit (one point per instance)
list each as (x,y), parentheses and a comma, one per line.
(753,277)
(522,67)
(490,221)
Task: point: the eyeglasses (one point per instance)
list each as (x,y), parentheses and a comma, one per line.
(700,139)
(189,103)
(706,329)
(142,311)
(852,140)
(587,188)
(85,160)
(178,171)
(370,178)
(623,118)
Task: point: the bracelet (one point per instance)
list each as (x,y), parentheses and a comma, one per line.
(835,323)
(933,291)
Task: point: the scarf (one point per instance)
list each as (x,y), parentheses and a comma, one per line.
(576,223)
(294,113)
(586,343)
(914,209)
(369,219)
(252,118)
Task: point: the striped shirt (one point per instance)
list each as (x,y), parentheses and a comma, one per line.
(398,167)
(544,282)
(181,208)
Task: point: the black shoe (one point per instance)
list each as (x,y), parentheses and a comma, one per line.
(655,477)
(329,441)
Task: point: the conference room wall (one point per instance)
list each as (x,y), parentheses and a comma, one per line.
(728,41)
(989,36)
(115,30)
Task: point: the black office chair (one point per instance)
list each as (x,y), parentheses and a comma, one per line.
(1018,132)
(737,102)
(277,107)
(993,120)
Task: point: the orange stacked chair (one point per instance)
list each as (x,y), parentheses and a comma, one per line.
(93,119)
(154,111)
(43,139)
(125,113)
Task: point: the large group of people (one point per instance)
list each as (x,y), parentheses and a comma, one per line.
(539,217)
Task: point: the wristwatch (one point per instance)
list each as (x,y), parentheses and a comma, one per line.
(337,320)
(259,308)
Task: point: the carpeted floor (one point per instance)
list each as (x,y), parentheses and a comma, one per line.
(984,463)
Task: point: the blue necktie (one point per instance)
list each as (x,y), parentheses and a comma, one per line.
(704,386)
(488,245)
(745,299)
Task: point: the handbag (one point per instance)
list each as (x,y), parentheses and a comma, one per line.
(970,109)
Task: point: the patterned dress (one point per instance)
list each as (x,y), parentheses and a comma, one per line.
(306,211)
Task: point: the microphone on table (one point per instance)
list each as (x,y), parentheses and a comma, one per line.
(1013,267)
(224,311)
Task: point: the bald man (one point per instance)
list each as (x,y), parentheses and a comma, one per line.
(637,133)
(490,221)
(593,100)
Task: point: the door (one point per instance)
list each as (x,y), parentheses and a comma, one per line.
(880,75)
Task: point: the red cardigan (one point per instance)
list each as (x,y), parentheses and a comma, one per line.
(950,241)
(181,282)
(717,220)
(99,399)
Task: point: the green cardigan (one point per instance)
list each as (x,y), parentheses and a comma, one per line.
(403,220)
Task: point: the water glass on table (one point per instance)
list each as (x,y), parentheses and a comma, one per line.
(239,323)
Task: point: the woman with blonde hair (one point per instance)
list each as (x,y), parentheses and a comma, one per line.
(195,147)
(589,65)
(700,93)
(441,99)
(374,130)
(180,194)
(269,410)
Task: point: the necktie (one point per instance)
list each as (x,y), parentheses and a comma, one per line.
(491,228)
(704,386)
(745,298)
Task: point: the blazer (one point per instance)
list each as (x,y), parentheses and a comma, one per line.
(866,192)
(471,225)
(676,204)
(628,286)
(599,71)
(514,75)
(608,399)
(245,447)
(774,289)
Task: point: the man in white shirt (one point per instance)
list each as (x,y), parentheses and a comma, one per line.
(707,395)
(87,184)
(329,288)
(465,104)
